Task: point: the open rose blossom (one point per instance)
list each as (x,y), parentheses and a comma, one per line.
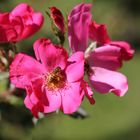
(101,62)
(53,81)
(20,23)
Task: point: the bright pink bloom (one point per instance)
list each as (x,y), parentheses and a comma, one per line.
(53,81)
(57,18)
(102,62)
(20,23)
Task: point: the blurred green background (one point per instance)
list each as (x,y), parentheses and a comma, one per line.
(111,118)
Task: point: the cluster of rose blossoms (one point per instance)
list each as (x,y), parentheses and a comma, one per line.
(55,80)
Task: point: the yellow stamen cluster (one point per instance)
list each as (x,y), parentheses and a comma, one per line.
(55,80)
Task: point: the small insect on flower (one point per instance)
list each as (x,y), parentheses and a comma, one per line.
(55,80)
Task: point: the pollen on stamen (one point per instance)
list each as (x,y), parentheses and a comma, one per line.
(55,80)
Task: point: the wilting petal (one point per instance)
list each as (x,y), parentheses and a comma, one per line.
(54,99)
(105,81)
(108,57)
(50,55)
(127,50)
(71,98)
(75,70)
(21,67)
(79,20)
(98,33)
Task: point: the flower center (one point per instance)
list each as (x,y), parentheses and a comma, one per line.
(55,80)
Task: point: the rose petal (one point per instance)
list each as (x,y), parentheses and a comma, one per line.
(21,67)
(75,70)
(76,57)
(71,98)
(79,20)
(22,9)
(127,50)
(105,81)
(50,55)
(28,102)
(98,33)
(54,99)
(108,57)
(39,94)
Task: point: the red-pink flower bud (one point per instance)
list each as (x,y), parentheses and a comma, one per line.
(57,18)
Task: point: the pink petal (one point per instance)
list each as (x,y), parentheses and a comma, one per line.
(21,67)
(79,20)
(76,57)
(38,19)
(106,57)
(80,7)
(36,109)
(98,33)
(22,9)
(28,102)
(75,70)
(71,98)
(28,31)
(54,99)
(3,36)
(50,55)
(18,26)
(6,29)
(105,81)
(34,26)
(127,50)
(4,18)
(38,94)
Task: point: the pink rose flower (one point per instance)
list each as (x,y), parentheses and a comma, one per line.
(57,18)
(53,81)
(101,62)
(20,23)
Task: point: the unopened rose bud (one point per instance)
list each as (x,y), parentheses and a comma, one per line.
(57,18)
